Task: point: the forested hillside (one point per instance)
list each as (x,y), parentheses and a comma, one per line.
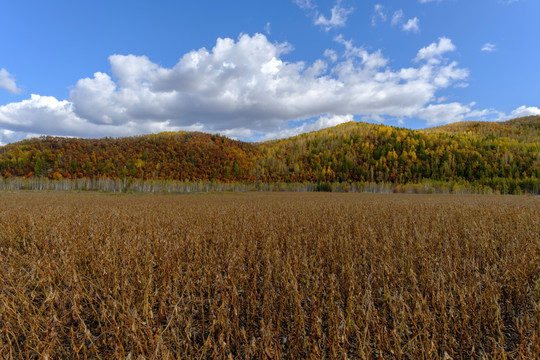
(366,152)
(182,155)
(525,129)
(486,153)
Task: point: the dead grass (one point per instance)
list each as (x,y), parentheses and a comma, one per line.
(269,276)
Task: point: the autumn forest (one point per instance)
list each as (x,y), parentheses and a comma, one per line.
(503,156)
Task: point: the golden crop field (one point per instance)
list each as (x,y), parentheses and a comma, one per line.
(269,276)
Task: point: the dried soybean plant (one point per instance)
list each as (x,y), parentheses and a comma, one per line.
(269,276)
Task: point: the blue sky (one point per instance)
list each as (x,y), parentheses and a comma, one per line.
(256,70)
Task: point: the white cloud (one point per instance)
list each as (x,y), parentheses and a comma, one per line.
(47,115)
(304,4)
(331,54)
(8,82)
(397,18)
(411,25)
(369,60)
(244,88)
(338,17)
(5,136)
(267,28)
(521,111)
(524,111)
(489,47)
(434,51)
(8,136)
(322,122)
(451,112)
(378,14)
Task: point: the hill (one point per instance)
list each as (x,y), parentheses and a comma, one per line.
(491,154)
(525,129)
(367,152)
(182,155)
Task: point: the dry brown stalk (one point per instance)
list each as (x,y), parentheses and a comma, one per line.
(269,276)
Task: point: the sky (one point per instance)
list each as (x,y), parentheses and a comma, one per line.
(257,69)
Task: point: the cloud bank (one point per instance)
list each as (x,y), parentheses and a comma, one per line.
(244,88)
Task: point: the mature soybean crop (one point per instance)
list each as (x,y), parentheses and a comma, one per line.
(270,276)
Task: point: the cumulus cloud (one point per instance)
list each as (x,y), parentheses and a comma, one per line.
(322,122)
(5,136)
(434,51)
(439,114)
(369,60)
(489,47)
(338,17)
(8,136)
(7,82)
(411,25)
(243,88)
(47,115)
(524,111)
